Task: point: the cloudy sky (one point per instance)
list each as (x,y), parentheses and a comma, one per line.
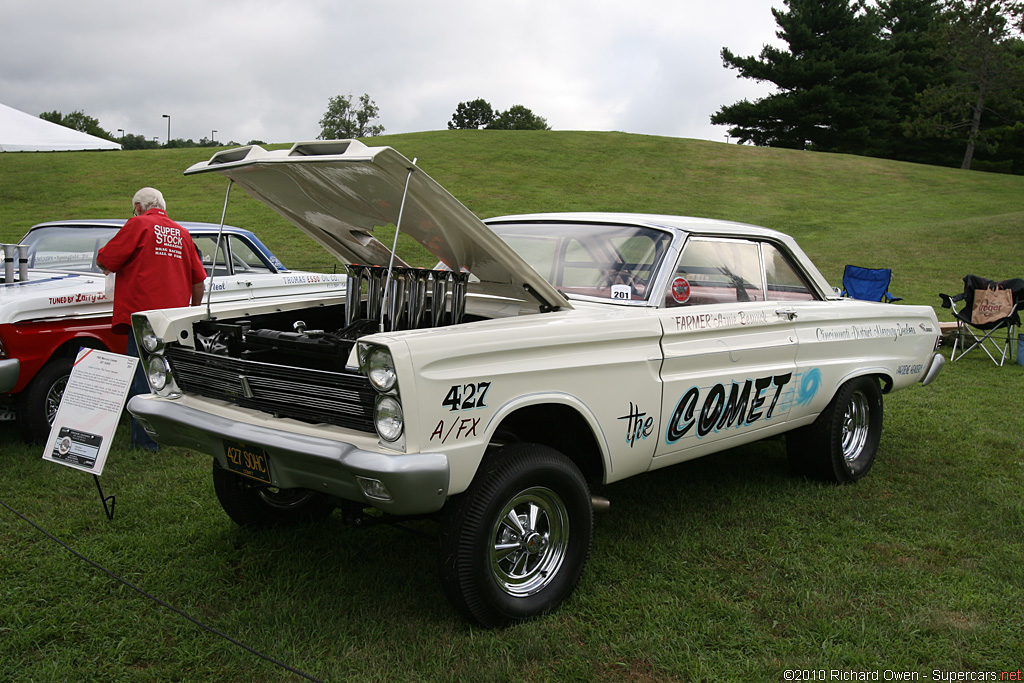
(265,69)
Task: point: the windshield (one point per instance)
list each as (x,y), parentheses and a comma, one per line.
(67,249)
(613,262)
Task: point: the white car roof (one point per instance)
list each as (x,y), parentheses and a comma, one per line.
(684,226)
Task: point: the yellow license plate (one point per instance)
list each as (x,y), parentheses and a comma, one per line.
(249,461)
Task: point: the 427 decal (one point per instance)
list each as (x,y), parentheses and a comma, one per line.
(466,396)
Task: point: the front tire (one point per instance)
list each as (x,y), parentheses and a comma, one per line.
(250,504)
(514,545)
(37,405)
(841,445)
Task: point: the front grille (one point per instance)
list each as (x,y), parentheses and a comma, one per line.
(343,399)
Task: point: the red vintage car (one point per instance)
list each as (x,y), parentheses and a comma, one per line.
(56,301)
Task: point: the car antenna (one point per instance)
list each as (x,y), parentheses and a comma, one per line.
(394,247)
(216,248)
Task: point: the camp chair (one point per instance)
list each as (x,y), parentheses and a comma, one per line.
(868,284)
(970,336)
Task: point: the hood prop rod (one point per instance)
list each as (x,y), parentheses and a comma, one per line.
(216,249)
(394,247)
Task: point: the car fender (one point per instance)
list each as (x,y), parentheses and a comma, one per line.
(578,405)
(35,343)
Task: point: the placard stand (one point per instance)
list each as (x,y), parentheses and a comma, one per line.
(88,414)
(112,499)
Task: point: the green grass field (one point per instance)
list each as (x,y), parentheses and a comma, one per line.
(725,568)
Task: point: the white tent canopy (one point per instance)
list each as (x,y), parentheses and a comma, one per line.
(21,132)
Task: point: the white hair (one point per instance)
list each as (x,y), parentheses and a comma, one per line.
(149,198)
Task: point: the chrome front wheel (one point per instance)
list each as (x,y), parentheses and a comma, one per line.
(514,545)
(530,541)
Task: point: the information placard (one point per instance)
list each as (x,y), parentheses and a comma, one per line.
(90,409)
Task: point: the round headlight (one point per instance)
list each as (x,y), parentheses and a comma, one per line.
(380,369)
(388,418)
(147,337)
(157,372)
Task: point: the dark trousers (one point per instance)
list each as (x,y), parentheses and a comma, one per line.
(140,439)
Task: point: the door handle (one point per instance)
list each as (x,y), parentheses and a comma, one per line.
(787,313)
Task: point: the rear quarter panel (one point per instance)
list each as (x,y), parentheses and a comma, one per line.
(848,338)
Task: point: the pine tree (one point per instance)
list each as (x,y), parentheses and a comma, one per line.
(977,43)
(912,37)
(833,91)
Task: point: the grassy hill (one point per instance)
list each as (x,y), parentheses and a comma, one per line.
(932,225)
(725,568)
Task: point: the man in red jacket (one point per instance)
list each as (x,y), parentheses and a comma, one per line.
(157,266)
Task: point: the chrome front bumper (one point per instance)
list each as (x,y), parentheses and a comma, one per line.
(417,483)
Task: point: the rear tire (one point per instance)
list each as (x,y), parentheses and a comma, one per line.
(514,545)
(841,445)
(37,405)
(251,504)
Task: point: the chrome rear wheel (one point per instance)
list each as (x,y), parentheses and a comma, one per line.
(841,445)
(856,426)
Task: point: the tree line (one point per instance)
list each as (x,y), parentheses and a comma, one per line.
(347,119)
(82,122)
(929,81)
(344,119)
(480,114)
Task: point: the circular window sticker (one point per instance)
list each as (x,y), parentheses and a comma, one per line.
(680,290)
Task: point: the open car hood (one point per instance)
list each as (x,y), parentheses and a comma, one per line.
(338,191)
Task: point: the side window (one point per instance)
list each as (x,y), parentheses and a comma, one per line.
(245,258)
(784,281)
(716,272)
(206,245)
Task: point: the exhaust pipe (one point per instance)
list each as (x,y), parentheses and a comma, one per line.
(10,253)
(600,503)
(404,292)
(8,262)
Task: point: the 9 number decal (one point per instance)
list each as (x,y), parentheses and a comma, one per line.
(466,396)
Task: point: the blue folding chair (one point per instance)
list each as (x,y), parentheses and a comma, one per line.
(868,284)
